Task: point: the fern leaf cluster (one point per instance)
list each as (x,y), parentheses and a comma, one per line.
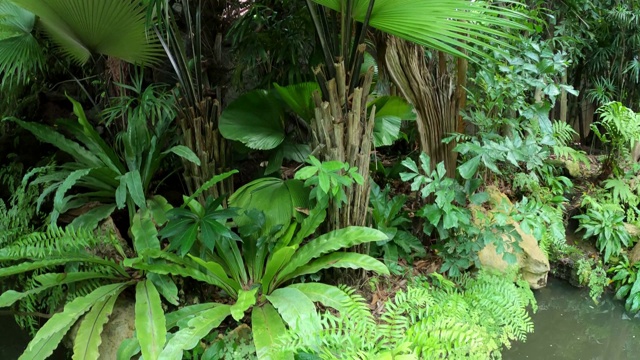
(471,320)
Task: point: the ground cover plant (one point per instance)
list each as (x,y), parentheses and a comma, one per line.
(241,182)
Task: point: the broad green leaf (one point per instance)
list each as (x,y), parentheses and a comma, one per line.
(246,299)
(128,349)
(266,325)
(276,198)
(185,153)
(450,26)
(158,206)
(92,218)
(255,119)
(198,327)
(145,234)
(150,321)
(186,312)
(120,33)
(276,261)
(50,335)
(310,224)
(335,240)
(88,337)
(135,188)
(327,295)
(165,285)
(470,167)
(296,309)
(340,260)
(299,98)
(218,272)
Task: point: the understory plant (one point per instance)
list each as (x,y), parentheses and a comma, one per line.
(461,232)
(619,132)
(604,222)
(389,217)
(473,320)
(594,276)
(255,266)
(113,175)
(627,283)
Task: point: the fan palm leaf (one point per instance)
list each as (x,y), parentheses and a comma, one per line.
(20,54)
(114,28)
(445,25)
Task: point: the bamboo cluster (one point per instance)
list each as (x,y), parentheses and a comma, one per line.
(344,128)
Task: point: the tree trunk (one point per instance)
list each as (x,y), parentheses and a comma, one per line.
(343,131)
(430,87)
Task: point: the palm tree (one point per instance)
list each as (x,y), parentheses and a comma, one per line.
(342,125)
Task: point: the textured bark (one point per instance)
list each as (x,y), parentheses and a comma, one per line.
(343,131)
(430,87)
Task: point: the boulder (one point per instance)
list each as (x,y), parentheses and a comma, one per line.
(634,232)
(532,262)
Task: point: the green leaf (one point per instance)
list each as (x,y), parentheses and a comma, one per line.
(135,187)
(128,349)
(341,260)
(120,33)
(299,98)
(335,240)
(150,321)
(470,167)
(296,309)
(449,26)
(88,337)
(145,234)
(158,206)
(185,153)
(267,326)
(255,119)
(246,299)
(277,260)
(327,295)
(197,328)
(50,335)
(165,285)
(92,218)
(276,198)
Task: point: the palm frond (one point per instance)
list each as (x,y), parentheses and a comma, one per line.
(81,28)
(20,54)
(445,25)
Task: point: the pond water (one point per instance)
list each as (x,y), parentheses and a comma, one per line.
(568,325)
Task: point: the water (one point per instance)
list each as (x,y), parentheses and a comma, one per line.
(568,325)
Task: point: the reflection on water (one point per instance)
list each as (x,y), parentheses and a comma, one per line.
(568,325)
(14,340)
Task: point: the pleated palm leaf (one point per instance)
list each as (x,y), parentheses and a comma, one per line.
(20,53)
(115,28)
(445,25)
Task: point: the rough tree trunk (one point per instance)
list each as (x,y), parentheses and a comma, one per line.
(431,88)
(343,131)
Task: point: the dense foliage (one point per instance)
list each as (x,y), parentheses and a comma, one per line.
(226,166)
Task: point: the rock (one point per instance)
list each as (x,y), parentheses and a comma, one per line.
(532,262)
(634,232)
(120,326)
